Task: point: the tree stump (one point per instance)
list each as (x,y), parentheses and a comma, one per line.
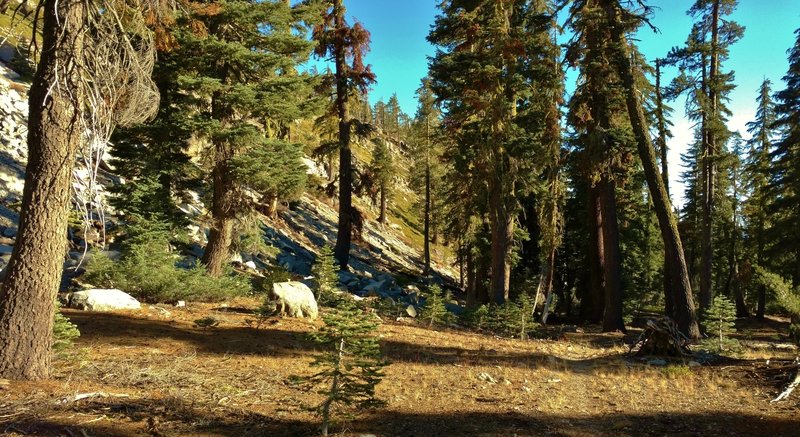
(661,337)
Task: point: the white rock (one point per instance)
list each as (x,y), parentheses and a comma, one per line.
(180,304)
(295,299)
(103,300)
(251,265)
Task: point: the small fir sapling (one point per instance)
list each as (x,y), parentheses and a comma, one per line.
(434,311)
(350,363)
(719,325)
(325,276)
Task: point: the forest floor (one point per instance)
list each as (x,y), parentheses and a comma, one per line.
(152,372)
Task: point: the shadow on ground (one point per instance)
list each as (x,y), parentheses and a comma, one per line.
(175,417)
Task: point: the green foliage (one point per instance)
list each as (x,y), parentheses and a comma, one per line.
(434,311)
(147,271)
(64,333)
(325,276)
(273,169)
(274,275)
(206,322)
(787,298)
(719,324)
(350,362)
(514,318)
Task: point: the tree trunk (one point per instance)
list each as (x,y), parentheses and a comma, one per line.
(710,170)
(54,136)
(481,289)
(222,213)
(596,257)
(612,270)
(345,225)
(427,228)
(502,234)
(472,295)
(382,217)
(682,291)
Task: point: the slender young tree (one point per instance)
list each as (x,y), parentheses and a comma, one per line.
(346,46)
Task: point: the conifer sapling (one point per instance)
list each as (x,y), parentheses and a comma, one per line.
(350,363)
(324,272)
(719,324)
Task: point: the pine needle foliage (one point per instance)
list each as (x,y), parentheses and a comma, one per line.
(434,311)
(64,333)
(325,277)
(350,363)
(719,324)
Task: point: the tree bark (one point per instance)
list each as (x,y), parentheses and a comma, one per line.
(54,136)
(472,295)
(382,217)
(502,225)
(596,257)
(222,212)
(684,302)
(710,169)
(612,269)
(345,225)
(427,227)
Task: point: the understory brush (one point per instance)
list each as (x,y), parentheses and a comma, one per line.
(148,271)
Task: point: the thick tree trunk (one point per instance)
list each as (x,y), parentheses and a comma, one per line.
(382,217)
(222,213)
(54,136)
(345,225)
(612,268)
(669,304)
(596,257)
(682,291)
(502,235)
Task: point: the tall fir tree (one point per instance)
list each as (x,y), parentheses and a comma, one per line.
(785,171)
(346,46)
(383,171)
(483,73)
(236,78)
(756,181)
(702,74)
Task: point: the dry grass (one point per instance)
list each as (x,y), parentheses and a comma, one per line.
(158,375)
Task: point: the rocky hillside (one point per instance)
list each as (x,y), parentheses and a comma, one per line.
(386,258)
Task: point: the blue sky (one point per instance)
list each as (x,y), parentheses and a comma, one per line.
(399,51)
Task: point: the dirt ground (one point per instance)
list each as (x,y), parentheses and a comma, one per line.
(152,372)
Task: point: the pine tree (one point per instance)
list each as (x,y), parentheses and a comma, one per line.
(719,324)
(785,172)
(346,45)
(701,62)
(427,171)
(383,171)
(756,175)
(350,363)
(235,78)
(681,288)
(434,311)
(484,74)
(324,272)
